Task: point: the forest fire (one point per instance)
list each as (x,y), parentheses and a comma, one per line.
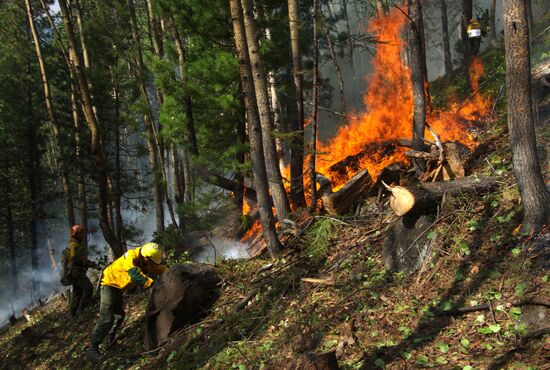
(389,114)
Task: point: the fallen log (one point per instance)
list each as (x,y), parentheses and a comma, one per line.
(425,198)
(340,202)
(225,183)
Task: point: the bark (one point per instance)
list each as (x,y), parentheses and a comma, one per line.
(254,131)
(467,14)
(60,153)
(240,157)
(315,113)
(81,179)
(341,201)
(177,175)
(297,125)
(380,11)
(417,75)
(529,6)
(446,43)
(278,192)
(534,195)
(492,23)
(94,127)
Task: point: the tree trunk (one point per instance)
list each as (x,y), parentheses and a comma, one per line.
(10,230)
(254,131)
(33,173)
(348,30)
(338,75)
(492,23)
(190,121)
(529,5)
(297,125)
(117,188)
(380,11)
(417,75)
(535,197)
(278,192)
(94,126)
(81,179)
(467,14)
(446,43)
(315,113)
(69,208)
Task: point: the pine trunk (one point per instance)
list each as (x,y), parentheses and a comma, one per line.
(10,229)
(380,11)
(60,153)
(254,131)
(534,195)
(315,113)
(348,31)
(278,192)
(81,179)
(338,75)
(94,126)
(446,43)
(417,74)
(297,125)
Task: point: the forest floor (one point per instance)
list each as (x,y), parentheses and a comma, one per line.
(370,317)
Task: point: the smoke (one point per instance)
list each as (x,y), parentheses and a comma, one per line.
(221,248)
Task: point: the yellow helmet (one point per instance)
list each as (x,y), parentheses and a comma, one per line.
(153,251)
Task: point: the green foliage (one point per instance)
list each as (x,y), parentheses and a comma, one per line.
(316,239)
(207,207)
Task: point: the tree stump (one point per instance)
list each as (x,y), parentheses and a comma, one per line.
(181,297)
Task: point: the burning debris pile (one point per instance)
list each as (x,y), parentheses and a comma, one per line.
(378,141)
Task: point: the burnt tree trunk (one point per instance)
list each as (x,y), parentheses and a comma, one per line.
(297,125)
(254,131)
(278,192)
(446,43)
(535,197)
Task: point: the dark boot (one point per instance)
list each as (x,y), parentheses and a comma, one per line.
(110,342)
(94,355)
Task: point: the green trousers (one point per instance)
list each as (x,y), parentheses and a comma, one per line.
(111,314)
(82,291)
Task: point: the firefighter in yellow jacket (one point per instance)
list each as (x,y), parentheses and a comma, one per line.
(132,268)
(474,35)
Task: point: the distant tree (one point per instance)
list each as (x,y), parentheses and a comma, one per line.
(467,14)
(492,23)
(445,34)
(534,195)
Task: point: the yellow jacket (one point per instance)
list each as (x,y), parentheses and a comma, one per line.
(126,271)
(78,253)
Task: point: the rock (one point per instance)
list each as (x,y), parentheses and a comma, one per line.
(181,297)
(536,317)
(400,254)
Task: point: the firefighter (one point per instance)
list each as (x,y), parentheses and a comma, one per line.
(133,268)
(474,35)
(77,266)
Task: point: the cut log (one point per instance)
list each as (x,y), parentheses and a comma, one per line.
(225,183)
(321,361)
(425,198)
(340,202)
(453,167)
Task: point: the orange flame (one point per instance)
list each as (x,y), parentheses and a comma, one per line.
(389,114)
